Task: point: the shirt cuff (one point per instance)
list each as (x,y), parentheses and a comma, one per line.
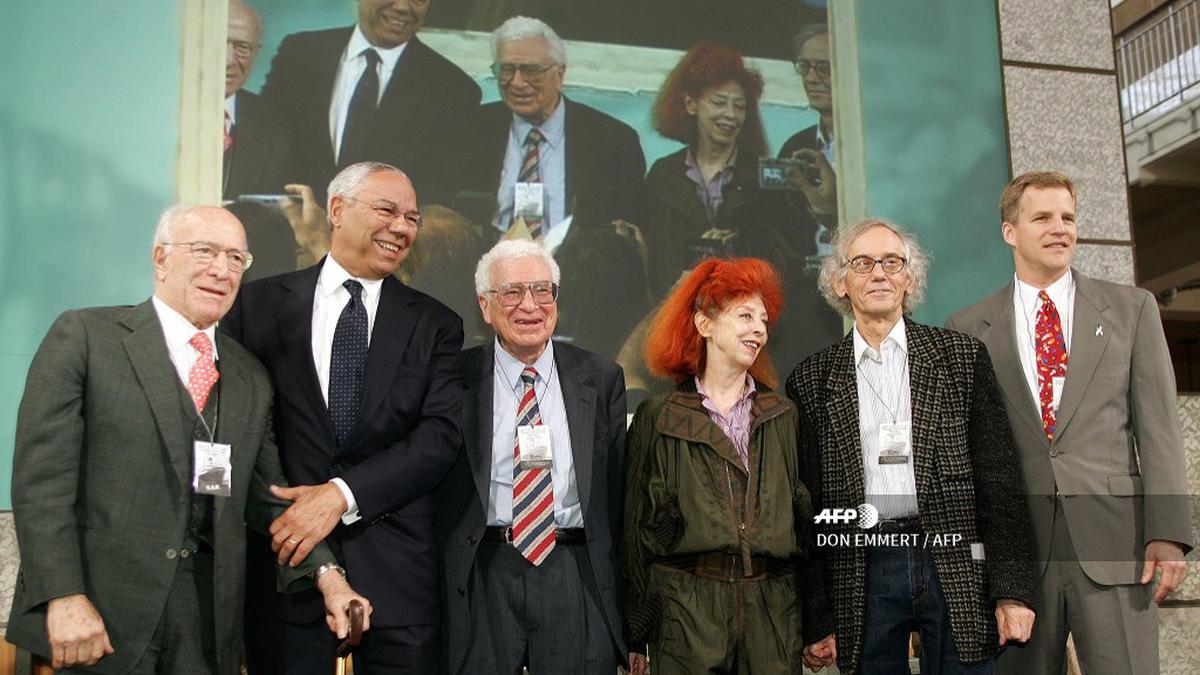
(351,515)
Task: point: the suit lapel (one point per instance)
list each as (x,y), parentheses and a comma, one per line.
(249,149)
(146,347)
(477,421)
(1001,339)
(394,324)
(234,402)
(575,168)
(294,332)
(579,397)
(841,409)
(926,402)
(1086,348)
(324,77)
(398,103)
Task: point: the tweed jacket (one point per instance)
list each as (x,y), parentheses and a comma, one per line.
(967,479)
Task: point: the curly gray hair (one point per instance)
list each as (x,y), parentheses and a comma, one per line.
(834,266)
(512,249)
(524,27)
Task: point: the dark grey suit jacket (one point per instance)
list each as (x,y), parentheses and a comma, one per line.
(593,391)
(1117,454)
(102,473)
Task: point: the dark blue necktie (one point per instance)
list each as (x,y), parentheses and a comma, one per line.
(348,363)
(360,113)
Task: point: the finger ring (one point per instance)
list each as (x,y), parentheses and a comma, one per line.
(293,540)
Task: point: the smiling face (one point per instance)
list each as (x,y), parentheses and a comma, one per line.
(391,23)
(736,336)
(370,237)
(201,292)
(875,295)
(525,329)
(816,85)
(533,100)
(1043,238)
(720,113)
(241,46)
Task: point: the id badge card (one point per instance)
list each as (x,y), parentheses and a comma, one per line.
(533,446)
(895,442)
(1057,384)
(529,201)
(212,470)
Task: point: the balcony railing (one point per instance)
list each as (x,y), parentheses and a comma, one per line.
(1159,63)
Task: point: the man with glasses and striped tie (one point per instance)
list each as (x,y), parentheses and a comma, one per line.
(528,515)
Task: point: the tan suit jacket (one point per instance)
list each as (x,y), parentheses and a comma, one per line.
(1117,457)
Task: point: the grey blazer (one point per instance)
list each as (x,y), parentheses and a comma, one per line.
(1117,457)
(101,476)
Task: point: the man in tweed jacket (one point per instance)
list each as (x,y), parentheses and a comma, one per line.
(906,422)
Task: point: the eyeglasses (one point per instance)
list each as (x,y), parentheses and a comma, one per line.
(242,48)
(864,264)
(390,211)
(803,66)
(206,252)
(511,295)
(531,73)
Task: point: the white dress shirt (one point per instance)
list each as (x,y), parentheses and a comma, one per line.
(885,397)
(231,109)
(552,165)
(1026,305)
(350,69)
(178,330)
(506,390)
(328,302)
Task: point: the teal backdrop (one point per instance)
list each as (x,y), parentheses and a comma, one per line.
(88,133)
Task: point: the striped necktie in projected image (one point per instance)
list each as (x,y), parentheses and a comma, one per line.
(533,492)
(531,172)
(1051,360)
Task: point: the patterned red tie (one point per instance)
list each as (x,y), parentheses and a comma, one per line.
(1051,359)
(228,131)
(204,373)
(533,492)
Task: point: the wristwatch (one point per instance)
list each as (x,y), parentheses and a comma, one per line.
(327,567)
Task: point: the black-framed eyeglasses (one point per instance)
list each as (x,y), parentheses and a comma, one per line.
(531,73)
(206,252)
(863,264)
(804,66)
(390,211)
(242,48)
(511,295)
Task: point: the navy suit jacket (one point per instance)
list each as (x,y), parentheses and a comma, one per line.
(402,445)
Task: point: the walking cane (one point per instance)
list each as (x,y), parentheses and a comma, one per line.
(347,647)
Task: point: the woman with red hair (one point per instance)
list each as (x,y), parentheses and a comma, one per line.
(716,518)
(704,199)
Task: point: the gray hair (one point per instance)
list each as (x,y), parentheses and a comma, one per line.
(834,266)
(350,180)
(524,27)
(171,216)
(805,34)
(512,249)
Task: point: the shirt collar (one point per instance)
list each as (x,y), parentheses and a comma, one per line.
(179,330)
(231,107)
(897,336)
(1027,295)
(821,139)
(511,366)
(750,389)
(693,167)
(359,42)
(552,127)
(334,275)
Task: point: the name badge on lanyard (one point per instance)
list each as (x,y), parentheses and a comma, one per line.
(895,442)
(529,201)
(212,472)
(533,447)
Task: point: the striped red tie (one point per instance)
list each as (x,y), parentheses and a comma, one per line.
(533,492)
(531,172)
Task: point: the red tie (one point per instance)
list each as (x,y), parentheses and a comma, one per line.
(228,131)
(204,373)
(533,532)
(1051,359)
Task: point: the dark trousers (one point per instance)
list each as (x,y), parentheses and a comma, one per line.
(542,618)
(185,640)
(903,595)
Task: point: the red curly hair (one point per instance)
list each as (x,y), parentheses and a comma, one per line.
(704,66)
(674,347)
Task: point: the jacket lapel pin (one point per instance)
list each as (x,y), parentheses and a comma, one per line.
(1099,330)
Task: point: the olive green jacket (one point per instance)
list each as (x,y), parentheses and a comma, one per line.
(687,492)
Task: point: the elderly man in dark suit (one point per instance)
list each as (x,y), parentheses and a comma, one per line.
(1090,391)
(372,91)
(528,516)
(905,423)
(143,450)
(367,420)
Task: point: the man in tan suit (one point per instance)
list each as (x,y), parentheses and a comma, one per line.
(1090,394)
